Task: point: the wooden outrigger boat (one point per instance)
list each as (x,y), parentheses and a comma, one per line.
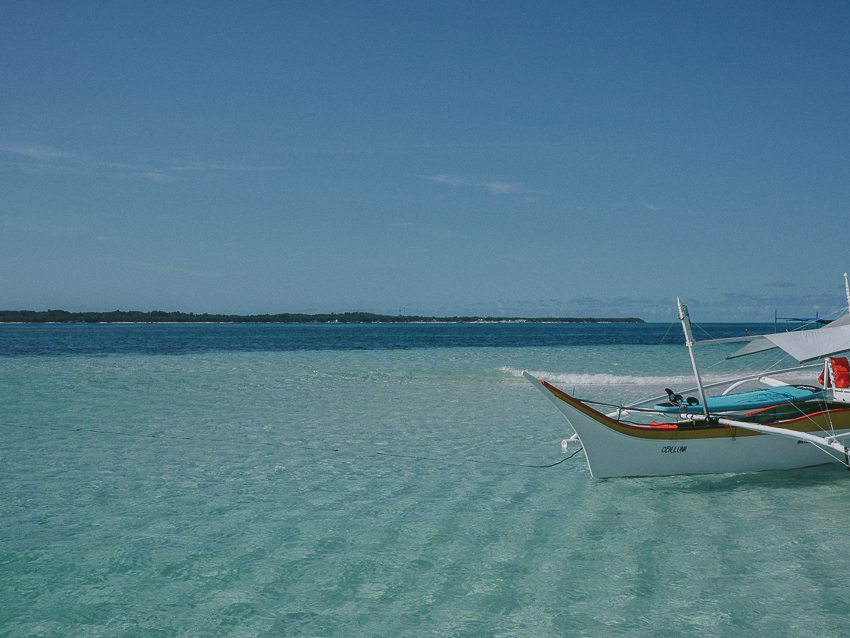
(779,427)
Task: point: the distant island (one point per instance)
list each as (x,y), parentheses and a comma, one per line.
(158,316)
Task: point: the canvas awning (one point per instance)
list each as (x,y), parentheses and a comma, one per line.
(803,345)
(810,345)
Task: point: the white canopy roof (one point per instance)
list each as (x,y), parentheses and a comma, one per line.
(810,345)
(803,345)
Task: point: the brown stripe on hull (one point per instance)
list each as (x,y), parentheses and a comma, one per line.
(823,421)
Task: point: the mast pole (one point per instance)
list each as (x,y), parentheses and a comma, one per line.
(689,341)
(847,289)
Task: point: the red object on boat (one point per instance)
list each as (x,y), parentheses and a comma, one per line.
(841,370)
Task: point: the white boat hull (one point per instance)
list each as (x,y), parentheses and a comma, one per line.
(614,449)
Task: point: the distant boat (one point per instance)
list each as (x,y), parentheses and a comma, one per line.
(776,427)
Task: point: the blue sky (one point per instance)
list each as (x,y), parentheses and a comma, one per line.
(488,158)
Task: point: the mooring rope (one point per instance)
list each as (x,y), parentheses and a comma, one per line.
(426,458)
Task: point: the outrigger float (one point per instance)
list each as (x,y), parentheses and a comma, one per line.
(776,427)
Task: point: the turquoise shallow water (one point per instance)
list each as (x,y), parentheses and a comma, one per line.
(383,492)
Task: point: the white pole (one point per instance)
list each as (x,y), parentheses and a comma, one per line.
(847,289)
(689,340)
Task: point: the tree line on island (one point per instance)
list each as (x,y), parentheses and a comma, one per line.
(159,316)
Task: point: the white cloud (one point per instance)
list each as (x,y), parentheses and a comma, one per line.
(157,176)
(217,166)
(37,152)
(448,179)
(496,187)
(36,156)
(500,188)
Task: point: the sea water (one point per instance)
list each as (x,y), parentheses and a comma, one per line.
(381,480)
